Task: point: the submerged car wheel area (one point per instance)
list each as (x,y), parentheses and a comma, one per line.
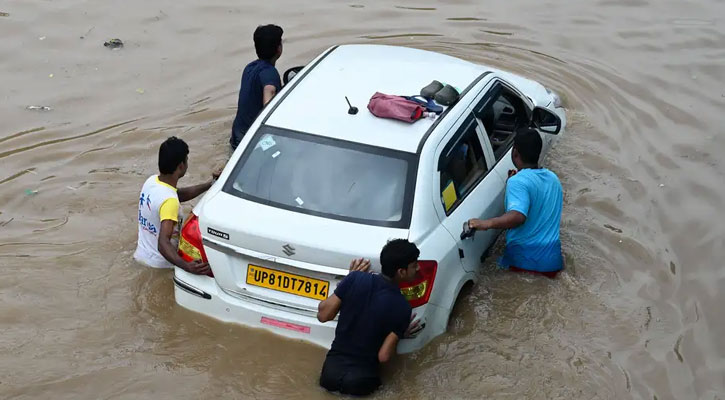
(304,194)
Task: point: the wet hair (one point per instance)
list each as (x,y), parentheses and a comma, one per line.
(173,151)
(528,143)
(397,254)
(267,39)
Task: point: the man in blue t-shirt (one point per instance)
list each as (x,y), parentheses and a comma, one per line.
(374,315)
(260,80)
(533,212)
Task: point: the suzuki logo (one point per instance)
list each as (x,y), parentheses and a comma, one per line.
(289,250)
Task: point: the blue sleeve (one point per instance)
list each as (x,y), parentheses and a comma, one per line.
(517,197)
(344,286)
(401,320)
(270,76)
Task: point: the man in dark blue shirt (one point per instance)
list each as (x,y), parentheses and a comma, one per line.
(260,80)
(374,315)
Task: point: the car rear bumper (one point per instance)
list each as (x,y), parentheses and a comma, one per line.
(201,294)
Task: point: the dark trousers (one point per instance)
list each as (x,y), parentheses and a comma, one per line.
(343,374)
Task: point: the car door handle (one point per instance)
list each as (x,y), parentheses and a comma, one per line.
(467,231)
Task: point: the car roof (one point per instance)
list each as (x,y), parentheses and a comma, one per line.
(316,104)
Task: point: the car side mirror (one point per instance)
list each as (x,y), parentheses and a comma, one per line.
(290,73)
(546,120)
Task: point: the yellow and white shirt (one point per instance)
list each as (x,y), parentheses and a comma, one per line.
(158,202)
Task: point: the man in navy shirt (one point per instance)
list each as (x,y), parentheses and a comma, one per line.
(260,80)
(374,315)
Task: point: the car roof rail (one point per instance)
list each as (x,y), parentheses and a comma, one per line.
(438,120)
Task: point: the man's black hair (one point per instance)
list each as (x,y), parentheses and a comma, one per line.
(528,143)
(267,39)
(397,254)
(173,151)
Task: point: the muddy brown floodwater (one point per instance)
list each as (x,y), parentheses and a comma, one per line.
(638,314)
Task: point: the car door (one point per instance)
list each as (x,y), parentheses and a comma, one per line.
(466,188)
(501,111)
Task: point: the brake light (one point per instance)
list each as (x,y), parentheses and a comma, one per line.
(190,247)
(418,291)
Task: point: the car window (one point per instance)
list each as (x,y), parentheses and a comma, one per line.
(325,177)
(462,165)
(501,113)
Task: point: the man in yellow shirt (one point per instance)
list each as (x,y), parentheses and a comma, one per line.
(158,210)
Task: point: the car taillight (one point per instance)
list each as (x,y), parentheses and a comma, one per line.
(418,291)
(190,247)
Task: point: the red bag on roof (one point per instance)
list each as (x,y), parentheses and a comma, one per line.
(395,107)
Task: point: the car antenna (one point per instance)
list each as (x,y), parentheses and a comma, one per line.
(352,110)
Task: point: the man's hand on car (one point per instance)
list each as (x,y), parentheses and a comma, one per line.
(479,224)
(216,173)
(198,267)
(360,264)
(414,328)
(512,172)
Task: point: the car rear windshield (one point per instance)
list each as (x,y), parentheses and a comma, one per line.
(326,177)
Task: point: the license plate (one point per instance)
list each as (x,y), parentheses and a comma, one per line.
(286,282)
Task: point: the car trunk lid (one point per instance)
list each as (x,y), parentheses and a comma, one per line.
(255,239)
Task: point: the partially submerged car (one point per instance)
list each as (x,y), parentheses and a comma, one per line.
(312,186)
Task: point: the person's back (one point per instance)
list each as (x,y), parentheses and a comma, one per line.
(371,308)
(260,80)
(373,317)
(537,194)
(158,201)
(256,76)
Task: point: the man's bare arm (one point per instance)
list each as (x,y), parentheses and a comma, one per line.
(387,350)
(327,309)
(167,249)
(511,219)
(191,192)
(268,93)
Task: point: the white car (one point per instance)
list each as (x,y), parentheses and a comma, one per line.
(312,186)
